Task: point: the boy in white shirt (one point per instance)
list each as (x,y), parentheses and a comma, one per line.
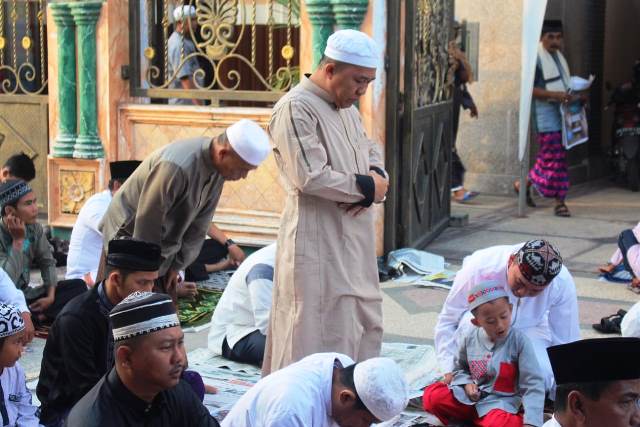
(16,408)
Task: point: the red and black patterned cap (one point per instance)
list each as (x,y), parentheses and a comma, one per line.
(539,262)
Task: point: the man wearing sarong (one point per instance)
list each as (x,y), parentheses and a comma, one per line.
(550,174)
(326,290)
(170,199)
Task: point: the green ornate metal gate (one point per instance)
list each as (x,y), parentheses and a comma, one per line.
(419,117)
(23,86)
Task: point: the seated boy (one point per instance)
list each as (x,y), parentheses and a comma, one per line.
(15,402)
(495,372)
(23,244)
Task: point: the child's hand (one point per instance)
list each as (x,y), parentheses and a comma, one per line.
(447,378)
(472,392)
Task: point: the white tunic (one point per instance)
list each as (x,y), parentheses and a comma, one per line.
(10,294)
(85,245)
(17,398)
(550,317)
(552,423)
(246,302)
(296,396)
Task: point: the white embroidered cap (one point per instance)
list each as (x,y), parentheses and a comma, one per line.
(184,12)
(249,140)
(381,386)
(353,47)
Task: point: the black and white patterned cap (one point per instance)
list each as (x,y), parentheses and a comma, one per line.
(539,262)
(12,190)
(142,313)
(11,321)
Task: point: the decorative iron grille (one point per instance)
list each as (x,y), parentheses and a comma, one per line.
(23,47)
(238,50)
(433,80)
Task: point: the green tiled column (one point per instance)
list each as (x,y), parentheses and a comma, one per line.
(349,14)
(321,17)
(67,114)
(88,145)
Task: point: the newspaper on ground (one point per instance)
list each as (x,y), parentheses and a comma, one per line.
(417,261)
(408,419)
(441,279)
(418,362)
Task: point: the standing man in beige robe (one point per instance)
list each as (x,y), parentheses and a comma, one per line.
(170,199)
(326,294)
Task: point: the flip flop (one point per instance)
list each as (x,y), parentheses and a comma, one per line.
(562,210)
(468,195)
(610,324)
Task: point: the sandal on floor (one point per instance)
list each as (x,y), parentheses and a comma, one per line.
(467,196)
(562,210)
(610,324)
(529,199)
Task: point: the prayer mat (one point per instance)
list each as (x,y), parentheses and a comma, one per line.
(216,281)
(199,309)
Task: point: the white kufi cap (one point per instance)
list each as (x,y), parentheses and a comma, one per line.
(183,12)
(249,140)
(381,386)
(353,47)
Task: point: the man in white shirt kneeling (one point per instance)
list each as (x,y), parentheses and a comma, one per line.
(240,320)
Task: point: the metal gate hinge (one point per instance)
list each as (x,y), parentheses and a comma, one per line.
(124,72)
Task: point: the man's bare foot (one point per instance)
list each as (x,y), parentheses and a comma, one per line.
(607,268)
(635,282)
(209,389)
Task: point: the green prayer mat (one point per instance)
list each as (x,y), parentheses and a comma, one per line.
(198,310)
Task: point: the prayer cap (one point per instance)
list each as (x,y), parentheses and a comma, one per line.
(249,140)
(486,291)
(142,313)
(353,47)
(134,255)
(381,386)
(12,190)
(539,262)
(551,26)
(184,12)
(596,360)
(10,320)
(123,169)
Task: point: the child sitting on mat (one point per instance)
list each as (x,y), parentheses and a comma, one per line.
(496,371)
(16,408)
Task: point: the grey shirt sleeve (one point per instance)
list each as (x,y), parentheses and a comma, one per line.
(530,383)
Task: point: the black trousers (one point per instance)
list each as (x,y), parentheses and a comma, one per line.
(625,241)
(210,253)
(66,290)
(249,349)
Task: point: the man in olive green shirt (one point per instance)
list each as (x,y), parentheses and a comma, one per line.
(170,199)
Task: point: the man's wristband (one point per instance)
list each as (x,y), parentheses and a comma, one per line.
(228,243)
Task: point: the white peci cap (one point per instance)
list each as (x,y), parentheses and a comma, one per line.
(381,386)
(183,12)
(249,140)
(353,47)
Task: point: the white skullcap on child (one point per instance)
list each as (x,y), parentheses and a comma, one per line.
(249,140)
(381,386)
(353,47)
(183,12)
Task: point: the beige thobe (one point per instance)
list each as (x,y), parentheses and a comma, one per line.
(326,294)
(169,200)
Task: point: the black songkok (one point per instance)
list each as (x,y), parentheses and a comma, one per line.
(551,26)
(596,360)
(142,313)
(123,169)
(134,255)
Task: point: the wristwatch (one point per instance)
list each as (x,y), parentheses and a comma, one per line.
(228,243)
